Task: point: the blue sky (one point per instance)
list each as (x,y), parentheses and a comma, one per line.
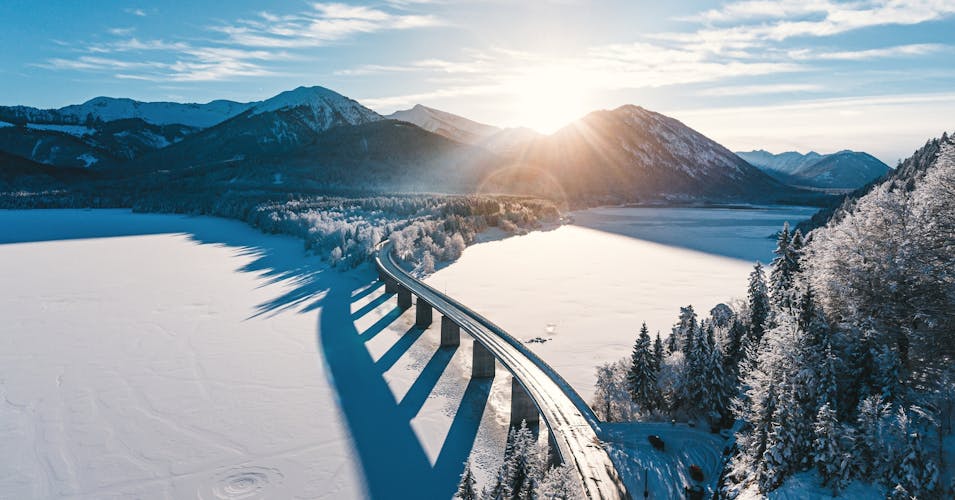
(869,75)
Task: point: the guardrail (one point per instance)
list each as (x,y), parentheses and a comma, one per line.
(574,432)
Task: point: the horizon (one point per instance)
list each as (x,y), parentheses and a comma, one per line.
(786,76)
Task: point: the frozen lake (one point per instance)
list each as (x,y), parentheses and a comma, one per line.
(587,286)
(160,356)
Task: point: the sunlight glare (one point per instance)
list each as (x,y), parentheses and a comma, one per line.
(548,98)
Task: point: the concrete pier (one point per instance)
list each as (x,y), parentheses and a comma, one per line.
(391,286)
(404,297)
(482,363)
(422,313)
(450,333)
(522,406)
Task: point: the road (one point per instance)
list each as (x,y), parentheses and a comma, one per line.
(568,418)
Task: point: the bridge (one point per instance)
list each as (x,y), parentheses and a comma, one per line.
(538,392)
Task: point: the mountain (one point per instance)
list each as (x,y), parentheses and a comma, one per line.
(108,109)
(464,130)
(454,127)
(908,173)
(275,126)
(843,170)
(20,174)
(378,156)
(98,144)
(783,163)
(630,154)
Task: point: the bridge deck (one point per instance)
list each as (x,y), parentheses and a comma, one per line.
(567,417)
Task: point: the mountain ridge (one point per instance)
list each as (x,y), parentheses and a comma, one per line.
(842,170)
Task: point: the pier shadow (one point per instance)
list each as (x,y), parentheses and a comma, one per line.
(393,461)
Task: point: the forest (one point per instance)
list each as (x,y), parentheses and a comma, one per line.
(838,361)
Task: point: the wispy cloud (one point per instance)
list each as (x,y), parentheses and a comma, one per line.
(750,22)
(860,55)
(780,88)
(324,23)
(245,48)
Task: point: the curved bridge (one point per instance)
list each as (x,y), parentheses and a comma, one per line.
(537,391)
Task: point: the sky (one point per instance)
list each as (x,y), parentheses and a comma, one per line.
(869,75)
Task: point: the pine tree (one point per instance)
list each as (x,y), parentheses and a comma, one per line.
(559,484)
(827,449)
(657,353)
(642,378)
(521,473)
(916,471)
(758,304)
(466,486)
(784,269)
(735,338)
(684,329)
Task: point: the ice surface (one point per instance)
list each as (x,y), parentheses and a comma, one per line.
(155,356)
(587,289)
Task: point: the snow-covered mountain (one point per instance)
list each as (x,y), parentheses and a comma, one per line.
(106,109)
(317,107)
(156,113)
(632,154)
(464,130)
(275,126)
(842,170)
(452,126)
(785,163)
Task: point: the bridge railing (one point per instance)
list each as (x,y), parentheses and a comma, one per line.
(574,396)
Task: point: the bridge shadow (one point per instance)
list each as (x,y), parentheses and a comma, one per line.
(394,462)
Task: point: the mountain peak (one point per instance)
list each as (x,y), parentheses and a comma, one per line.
(320,108)
(443,123)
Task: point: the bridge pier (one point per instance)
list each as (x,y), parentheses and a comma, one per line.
(404,297)
(391,286)
(422,314)
(482,363)
(522,406)
(450,333)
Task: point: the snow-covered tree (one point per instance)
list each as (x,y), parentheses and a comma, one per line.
(559,484)
(684,329)
(783,270)
(828,450)
(466,486)
(758,298)
(612,401)
(657,353)
(642,377)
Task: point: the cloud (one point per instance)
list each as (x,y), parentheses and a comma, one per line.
(755,21)
(323,24)
(780,88)
(121,31)
(135,12)
(860,55)
(243,49)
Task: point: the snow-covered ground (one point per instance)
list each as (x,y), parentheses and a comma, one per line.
(587,287)
(667,470)
(157,356)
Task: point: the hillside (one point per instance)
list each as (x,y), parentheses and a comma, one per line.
(631,154)
(902,177)
(844,170)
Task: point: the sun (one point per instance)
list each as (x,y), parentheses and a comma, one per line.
(548,98)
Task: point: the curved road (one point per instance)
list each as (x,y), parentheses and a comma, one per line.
(570,421)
